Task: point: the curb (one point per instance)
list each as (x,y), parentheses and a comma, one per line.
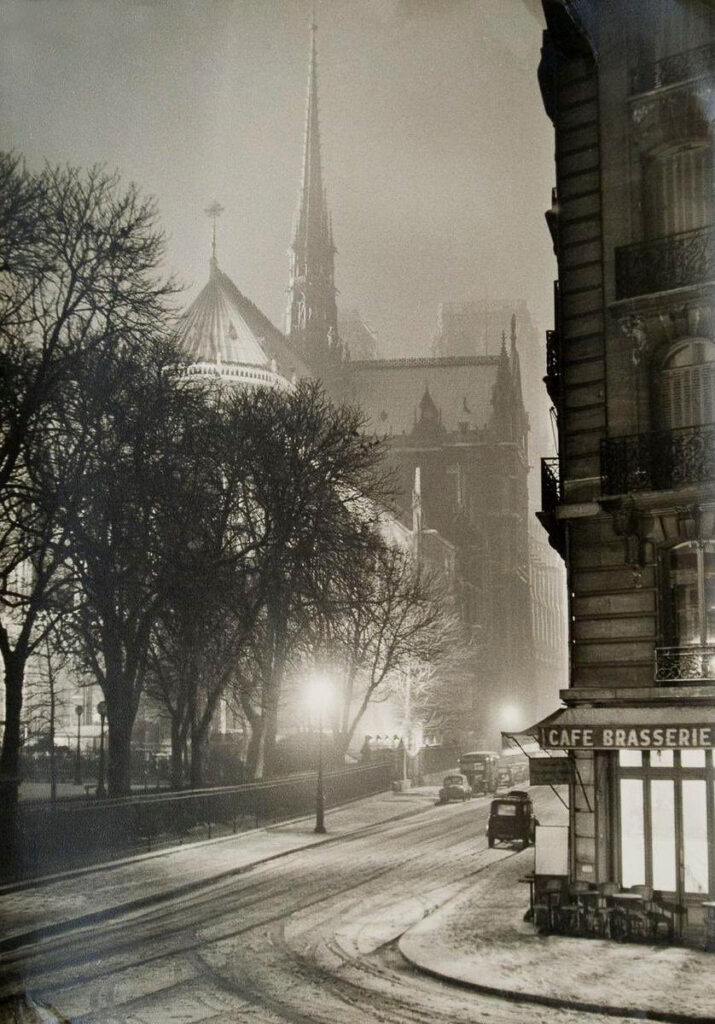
(513,996)
(13,942)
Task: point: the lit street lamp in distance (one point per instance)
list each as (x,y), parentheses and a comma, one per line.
(510,718)
(101,711)
(319,694)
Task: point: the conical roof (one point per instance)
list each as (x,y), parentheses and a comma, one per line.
(222,326)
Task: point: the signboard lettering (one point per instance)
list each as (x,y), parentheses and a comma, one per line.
(630,737)
(548,771)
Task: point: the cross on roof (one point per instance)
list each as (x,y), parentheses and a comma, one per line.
(214,211)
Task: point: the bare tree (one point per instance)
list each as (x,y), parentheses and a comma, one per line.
(139,413)
(319,484)
(395,615)
(78,257)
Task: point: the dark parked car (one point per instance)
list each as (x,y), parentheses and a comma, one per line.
(511,819)
(454,787)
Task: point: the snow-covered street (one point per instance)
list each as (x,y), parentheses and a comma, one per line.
(308,936)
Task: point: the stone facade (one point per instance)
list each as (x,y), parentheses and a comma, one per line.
(630,504)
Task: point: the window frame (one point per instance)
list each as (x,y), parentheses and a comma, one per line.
(678,774)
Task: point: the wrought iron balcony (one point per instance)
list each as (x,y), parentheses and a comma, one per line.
(679,67)
(684,664)
(658,461)
(553,366)
(665,263)
(550,485)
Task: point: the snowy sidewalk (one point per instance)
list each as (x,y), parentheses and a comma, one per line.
(480,939)
(31,909)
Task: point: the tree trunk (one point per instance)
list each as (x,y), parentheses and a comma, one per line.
(12,739)
(177,750)
(119,762)
(10,758)
(254,754)
(196,767)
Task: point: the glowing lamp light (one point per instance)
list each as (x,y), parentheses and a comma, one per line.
(319,692)
(510,716)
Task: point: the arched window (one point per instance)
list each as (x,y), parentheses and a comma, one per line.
(679,190)
(689,595)
(687,385)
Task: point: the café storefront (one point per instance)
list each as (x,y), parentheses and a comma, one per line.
(642,800)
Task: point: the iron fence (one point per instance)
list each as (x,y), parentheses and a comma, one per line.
(662,264)
(550,485)
(684,664)
(73,832)
(658,461)
(678,67)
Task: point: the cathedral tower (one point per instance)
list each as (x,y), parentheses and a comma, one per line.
(311,317)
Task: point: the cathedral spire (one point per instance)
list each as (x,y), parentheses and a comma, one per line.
(311,317)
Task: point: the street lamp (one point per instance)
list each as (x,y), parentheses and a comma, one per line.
(510,717)
(101,711)
(319,694)
(78,766)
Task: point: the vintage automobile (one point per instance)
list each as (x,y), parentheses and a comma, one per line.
(511,819)
(454,787)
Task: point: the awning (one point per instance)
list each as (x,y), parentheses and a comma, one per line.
(528,736)
(626,728)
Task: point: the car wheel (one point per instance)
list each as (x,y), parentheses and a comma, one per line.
(490,840)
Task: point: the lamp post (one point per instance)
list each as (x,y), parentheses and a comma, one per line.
(319,794)
(78,766)
(101,711)
(320,692)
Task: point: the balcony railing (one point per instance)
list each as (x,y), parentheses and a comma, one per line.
(684,664)
(658,461)
(550,485)
(665,263)
(679,67)
(553,365)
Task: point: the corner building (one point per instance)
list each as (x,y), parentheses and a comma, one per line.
(630,501)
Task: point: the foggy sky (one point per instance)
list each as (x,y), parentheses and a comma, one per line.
(437,153)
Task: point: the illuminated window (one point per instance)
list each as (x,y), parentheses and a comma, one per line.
(632,833)
(664,820)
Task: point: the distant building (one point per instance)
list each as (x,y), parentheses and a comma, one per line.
(630,502)
(358,337)
(460,418)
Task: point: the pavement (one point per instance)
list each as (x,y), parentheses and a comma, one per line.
(478,939)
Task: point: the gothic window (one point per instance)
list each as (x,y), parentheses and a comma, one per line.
(679,190)
(688,606)
(687,385)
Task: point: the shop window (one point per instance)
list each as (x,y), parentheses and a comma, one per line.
(679,190)
(630,758)
(687,385)
(688,605)
(632,833)
(695,836)
(663,758)
(662,841)
(665,823)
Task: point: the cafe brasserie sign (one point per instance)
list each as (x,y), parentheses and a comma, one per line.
(629,737)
